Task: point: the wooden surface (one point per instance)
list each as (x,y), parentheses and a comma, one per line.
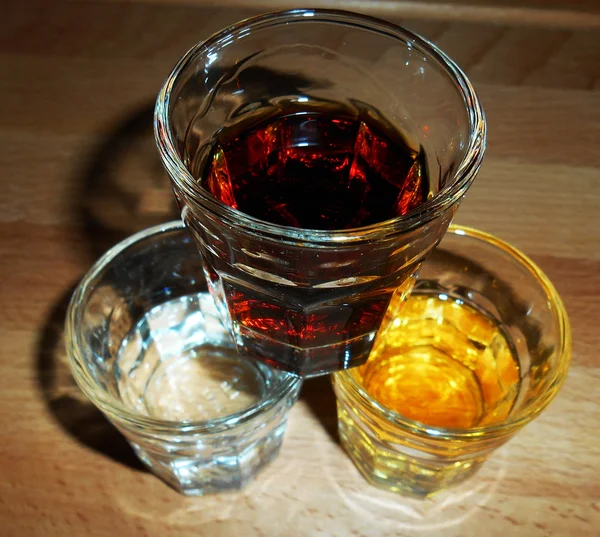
(78,171)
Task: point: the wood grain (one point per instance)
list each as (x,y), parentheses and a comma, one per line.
(558,13)
(79,172)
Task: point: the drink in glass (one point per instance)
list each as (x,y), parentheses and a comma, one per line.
(317,157)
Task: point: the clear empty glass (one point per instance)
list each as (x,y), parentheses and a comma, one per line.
(147,347)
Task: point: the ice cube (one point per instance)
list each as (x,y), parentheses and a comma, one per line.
(218,181)
(374,153)
(254,152)
(411,195)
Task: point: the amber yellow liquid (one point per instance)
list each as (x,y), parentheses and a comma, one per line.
(444,363)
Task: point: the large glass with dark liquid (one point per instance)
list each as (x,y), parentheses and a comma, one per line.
(317,157)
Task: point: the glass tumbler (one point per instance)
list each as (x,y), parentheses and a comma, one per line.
(494,385)
(146,346)
(311,301)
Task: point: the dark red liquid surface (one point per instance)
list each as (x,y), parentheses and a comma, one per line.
(317,171)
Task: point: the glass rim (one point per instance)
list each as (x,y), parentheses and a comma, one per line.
(523,415)
(110,404)
(445,198)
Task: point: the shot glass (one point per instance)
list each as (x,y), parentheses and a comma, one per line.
(480,349)
(310,300)
(146,346)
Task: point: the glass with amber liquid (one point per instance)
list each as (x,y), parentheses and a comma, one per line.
(478,350)
(443,362)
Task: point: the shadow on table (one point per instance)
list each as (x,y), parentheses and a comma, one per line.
(71,409)
(318,394)
(124,187)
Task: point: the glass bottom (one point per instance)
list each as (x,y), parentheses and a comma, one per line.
(211,473)
(401,468)
(178,364)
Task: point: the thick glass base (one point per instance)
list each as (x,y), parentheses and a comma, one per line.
(402,467)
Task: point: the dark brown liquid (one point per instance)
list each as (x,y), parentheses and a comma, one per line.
(317,171)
